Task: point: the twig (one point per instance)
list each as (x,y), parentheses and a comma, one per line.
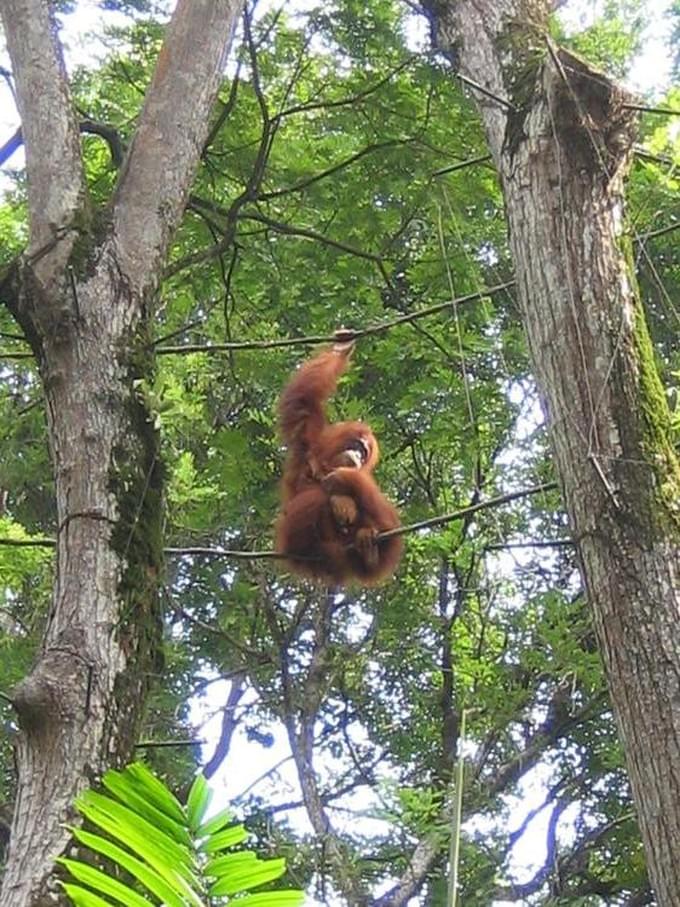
(330,171)
(224,552)
(485,91)
(28,543)
(660,232)
(353,99)
(305,233)
(482,159)
(547,543)
(663,111)
(156,744)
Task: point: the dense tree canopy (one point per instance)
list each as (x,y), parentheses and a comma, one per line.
(346,181)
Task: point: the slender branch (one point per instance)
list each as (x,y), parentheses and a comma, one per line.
(461,165)
(660,232)
(11,356)
(301,739)
(198,551)
(331,171)
(485,91)
(420,863)
(531,543)
(467,511)
(11,145)
(28,543)
(229,724)
(353,99)
(329,338)
(158,744)
(225,112)
(261,555)
(514,892)
(306,233)
(663,111)
(556,725)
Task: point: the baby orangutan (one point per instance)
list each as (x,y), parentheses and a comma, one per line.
(332,509)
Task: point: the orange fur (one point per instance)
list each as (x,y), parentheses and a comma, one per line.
(332,508)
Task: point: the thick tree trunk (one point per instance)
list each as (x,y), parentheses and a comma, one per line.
(83,301)
(561,136)
(80,707)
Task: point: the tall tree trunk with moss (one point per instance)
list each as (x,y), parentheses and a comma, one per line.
(83,292)
(561,135)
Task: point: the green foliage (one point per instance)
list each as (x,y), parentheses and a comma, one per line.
(168,854)
(614,37)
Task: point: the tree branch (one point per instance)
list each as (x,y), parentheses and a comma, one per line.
(557,723)
(55,193)
(379,328)
(174,125)
(229,724)
(467,511)
(301,739)
(306,233)
(254,555)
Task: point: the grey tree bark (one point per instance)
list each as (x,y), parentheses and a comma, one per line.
(83,295)
(561,136)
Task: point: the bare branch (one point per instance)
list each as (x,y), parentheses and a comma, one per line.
(160,744)
(301,739)
(352,100)
(110,135)
(306,233)
(424,854)
(461,165)
(13,142)
(524,890)
(225,112)
(464,513)
(379,328)
(332,170)
(28,543)
(229,724)
(662,111)
(558,722)
(467,511)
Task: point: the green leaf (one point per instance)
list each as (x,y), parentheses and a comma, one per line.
(172,863)
(224,817)
(224,839)
(82,897)
(121,822)
(273,899)
(103,883)
(198,801)
(218,866)
(152,880)
(155,790)
(249,877)
(128,793)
